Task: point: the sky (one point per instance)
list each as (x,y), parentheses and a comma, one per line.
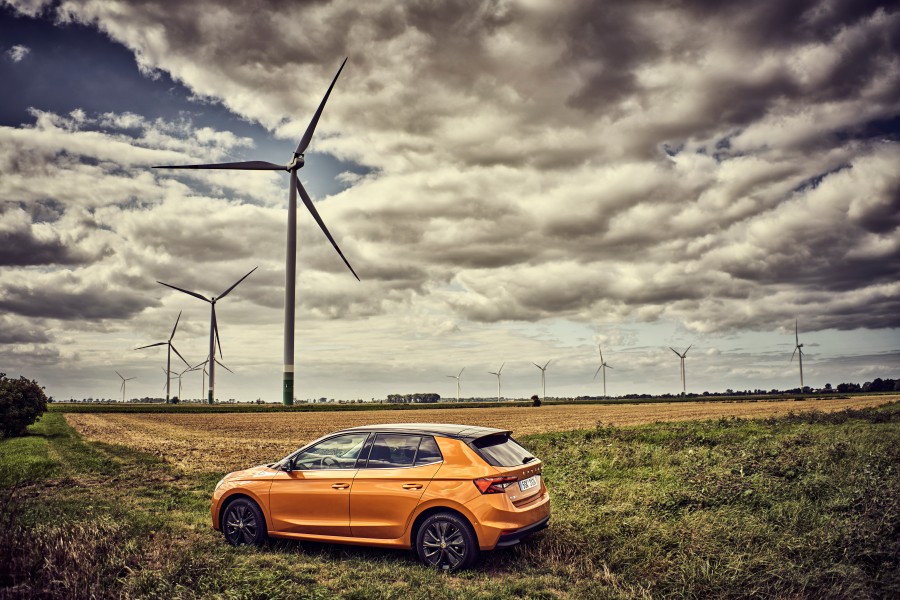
(513,181)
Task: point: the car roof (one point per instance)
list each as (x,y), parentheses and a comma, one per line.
(462,432)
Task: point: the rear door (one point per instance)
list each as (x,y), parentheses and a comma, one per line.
(388,486)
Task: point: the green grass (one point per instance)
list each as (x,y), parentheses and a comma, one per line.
(800,506)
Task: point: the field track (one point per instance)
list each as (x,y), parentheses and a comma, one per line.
(230,441)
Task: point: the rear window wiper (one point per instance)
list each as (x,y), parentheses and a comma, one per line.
(528,459)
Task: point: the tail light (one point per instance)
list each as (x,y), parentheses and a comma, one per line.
(494,485)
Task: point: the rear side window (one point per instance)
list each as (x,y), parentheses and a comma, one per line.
(394,451)
(428,452)
(502,451)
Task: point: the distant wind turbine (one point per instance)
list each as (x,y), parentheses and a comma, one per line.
(798,350)
(456,377)
(543,378)
(683,381)
(124,379)
(202,367)
(213,328)
(604,367)
(297,162)
(497,373)
(169,358)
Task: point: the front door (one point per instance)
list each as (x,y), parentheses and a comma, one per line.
(388,487)
(314,497)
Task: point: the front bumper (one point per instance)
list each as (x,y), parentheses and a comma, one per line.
(511,538)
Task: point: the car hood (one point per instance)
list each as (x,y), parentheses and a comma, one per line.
(260,472)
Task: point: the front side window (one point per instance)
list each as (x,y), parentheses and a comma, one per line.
(339,452)
(393,451)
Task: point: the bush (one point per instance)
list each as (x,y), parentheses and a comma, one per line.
(535,401)
(21,403)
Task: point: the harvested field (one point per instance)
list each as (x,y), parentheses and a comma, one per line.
(230,441)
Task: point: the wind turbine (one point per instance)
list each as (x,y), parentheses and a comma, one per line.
(169,358)
(497,373)
(202,367)
(603,366)
(798,351)
(683,382)
(543,378)
(124,379)
(213,328)
(456,377)
(297,162)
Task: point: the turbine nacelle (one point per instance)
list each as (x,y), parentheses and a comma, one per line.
(296,163)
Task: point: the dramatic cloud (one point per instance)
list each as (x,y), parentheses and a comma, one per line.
(725,167)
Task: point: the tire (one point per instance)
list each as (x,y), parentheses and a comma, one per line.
(243,523)
(445,541)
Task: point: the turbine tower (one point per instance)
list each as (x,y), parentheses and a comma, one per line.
(213,328)
(543,378)
(683,381)
(798,350)
(456,377)
(604,367)
(168,343)
(497,373)
(292,167)
(124,379)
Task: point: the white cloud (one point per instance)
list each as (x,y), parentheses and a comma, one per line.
(18,53)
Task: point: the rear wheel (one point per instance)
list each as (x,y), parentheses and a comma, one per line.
(243,523)
(446,542)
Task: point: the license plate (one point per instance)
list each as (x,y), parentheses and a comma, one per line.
(527,484)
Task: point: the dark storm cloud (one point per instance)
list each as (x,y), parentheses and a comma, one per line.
(96,303)
(21,331)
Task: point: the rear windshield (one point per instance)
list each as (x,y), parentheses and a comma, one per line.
(502,451)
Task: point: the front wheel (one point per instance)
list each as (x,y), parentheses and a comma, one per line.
(446,542)
(243,523)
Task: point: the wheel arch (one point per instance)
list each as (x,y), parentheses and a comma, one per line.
(439,508)
(238,495)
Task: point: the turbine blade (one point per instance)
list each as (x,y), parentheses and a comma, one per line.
(226,292)
(311,128)
(674,350)
(607,366)
(601,353)
(216,329)
(119,374)
(188,292)
(686,351)
(176,326)
(501,368)
(547,363)
(247,165)
(537,365)
(796,333)
(180,356)
(794,354)
(223,366)
(597,373)
(150,346)
(315,214)
(460,372)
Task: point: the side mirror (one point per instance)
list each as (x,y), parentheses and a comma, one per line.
(288,466)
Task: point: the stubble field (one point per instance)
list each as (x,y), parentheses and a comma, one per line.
(230,441)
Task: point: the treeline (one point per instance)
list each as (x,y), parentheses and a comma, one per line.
(413,398)
(876,385)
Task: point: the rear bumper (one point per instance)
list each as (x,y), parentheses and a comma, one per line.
(511,538)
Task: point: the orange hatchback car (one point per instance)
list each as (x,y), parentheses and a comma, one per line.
(447,491)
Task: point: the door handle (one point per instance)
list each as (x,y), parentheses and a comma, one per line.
(340,486)
(412,486)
